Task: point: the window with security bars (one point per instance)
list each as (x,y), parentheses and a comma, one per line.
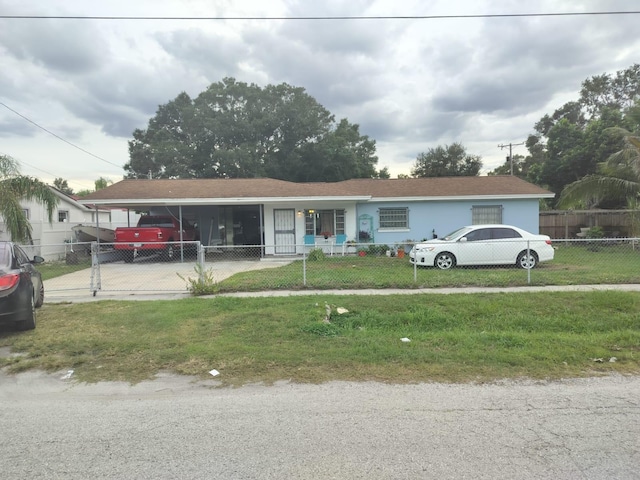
(486,214)
(394,218)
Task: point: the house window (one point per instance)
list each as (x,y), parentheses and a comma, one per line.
(319,222)
(27,214)
(63,215)
(394,218)
(486,214)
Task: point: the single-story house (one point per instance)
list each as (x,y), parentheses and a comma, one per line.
(52,236)
(67,213)
(286,217)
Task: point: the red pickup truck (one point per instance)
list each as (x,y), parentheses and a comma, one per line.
(154,234)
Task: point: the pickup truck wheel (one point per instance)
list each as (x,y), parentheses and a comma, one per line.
(128,256)
(168,253)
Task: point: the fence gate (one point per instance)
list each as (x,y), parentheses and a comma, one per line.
(285,231)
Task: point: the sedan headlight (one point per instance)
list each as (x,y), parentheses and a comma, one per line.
(425,248)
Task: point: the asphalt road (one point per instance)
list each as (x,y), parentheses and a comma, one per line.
(174,427)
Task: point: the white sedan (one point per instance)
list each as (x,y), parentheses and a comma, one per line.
(484,245)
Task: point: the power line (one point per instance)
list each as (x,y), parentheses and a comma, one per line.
(326,18)
(58,136)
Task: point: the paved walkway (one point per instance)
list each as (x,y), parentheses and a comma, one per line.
(76,297)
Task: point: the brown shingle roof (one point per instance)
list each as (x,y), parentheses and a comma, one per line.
(444,187)
(270,188)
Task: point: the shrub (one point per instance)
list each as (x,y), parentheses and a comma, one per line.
(316,255)
(378,249)
(203,284)
(595,232)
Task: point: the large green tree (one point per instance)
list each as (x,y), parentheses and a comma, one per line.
(448,161)
(617,179)
(572,142)
(15,187)
(239,130)
(62,185)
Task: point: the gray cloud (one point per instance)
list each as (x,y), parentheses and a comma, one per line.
(63,47)
(410,85)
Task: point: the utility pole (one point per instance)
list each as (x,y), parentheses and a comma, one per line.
(510,145)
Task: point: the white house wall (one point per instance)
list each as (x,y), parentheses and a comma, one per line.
(269,227)
(52,237)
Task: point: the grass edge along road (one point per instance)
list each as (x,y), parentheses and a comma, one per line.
(453,338)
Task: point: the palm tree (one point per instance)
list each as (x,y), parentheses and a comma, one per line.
(15,187)
(619,176)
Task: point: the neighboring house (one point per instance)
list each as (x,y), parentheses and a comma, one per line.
(285,217)
(51,237)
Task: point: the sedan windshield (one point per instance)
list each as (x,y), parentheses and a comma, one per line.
(457,233)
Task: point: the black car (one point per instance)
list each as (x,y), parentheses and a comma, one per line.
(21,287)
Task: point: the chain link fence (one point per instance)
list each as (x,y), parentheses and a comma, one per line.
(88,269)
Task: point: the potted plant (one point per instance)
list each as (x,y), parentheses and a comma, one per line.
(326,235)
(362,252)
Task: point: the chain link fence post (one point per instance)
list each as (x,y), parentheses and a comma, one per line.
(304,266)
(529,262)
(201,262)
(96,281)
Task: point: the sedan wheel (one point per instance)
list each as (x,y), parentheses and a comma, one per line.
(445,261)
(527,261)
(40,299)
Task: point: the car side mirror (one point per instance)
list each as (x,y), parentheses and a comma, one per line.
(37,259)
(463,239)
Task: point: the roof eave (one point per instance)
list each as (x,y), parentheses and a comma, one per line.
(516,196)
(222,201)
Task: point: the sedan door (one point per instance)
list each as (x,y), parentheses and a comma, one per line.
(475,248)
(506,245)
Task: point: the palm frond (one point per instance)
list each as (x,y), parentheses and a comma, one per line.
(593,188)
(29,188)
(11,212)
(8,167)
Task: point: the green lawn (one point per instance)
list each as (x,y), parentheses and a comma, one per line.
(573,265)
(50,270)
(454,338)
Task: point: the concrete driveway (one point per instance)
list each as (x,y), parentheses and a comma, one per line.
(126,280)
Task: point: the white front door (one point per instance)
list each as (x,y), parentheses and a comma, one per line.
(284,222)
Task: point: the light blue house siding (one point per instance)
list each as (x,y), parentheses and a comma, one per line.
(443,217)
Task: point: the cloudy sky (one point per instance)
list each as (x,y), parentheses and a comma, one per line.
(411,84)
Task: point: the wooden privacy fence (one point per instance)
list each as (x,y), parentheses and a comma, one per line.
(567,223)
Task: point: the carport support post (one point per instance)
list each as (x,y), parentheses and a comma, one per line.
(181,236)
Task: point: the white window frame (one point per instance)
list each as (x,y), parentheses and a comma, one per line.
(63,216)
(313,225)
(393,218)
